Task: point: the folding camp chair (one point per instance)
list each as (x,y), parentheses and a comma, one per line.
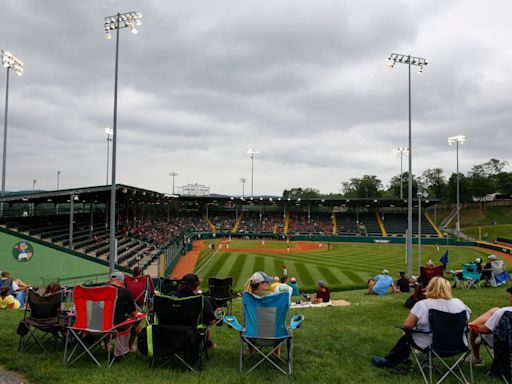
(470,276)
(142,290)
(42,321)
(94,324)
(220,293)
(167,286)
(177,330)
(265,327)
(427,274)
(448,332)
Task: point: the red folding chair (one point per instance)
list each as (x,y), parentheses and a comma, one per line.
(94,324)
(142,290)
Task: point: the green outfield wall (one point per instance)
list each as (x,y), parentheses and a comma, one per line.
(46,261)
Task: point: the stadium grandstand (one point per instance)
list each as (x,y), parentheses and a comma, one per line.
(153,229)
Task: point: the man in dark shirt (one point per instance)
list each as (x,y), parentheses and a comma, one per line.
(403,283)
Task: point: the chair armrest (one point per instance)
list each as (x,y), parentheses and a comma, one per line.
(412,331)
(233,322)
(296,321)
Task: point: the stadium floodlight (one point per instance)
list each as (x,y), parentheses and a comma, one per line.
(251,152)
(460,139)
(421,63)
(401,151)
(9,61)
(58,180)
(34,182)
(116,23)
(109,133)
(424,195)
(243,180)
(173,175)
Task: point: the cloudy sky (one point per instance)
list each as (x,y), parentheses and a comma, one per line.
(303,81)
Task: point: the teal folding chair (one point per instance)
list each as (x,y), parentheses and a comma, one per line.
(265,329)
(470,276)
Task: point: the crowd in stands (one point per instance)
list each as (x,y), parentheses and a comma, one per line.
(317,223)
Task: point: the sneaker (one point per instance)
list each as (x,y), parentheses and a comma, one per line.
(380,362)
(474,361)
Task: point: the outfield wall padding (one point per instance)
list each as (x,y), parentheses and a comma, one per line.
(48,262)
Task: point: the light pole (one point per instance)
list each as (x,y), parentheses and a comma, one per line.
(34,182)
(460,139)
(109,133)
(243,180)
(58,180)
(420,195)
(251,152)
(420,62)
(116,22)
(9,61)
(173,175)
(401,151)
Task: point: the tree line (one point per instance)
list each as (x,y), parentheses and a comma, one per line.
(481,180)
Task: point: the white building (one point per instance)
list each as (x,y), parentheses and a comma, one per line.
(194,190)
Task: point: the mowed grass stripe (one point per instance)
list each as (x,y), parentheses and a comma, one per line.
(304,275)
(328,275)
(236,268)
(215,265)
(353,277)
(259,263)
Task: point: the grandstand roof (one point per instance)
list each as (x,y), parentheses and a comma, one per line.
(101,194)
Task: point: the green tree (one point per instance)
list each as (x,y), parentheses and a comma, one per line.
(367,186)
(302,193)
(394,185)
(433,181)
(465,194)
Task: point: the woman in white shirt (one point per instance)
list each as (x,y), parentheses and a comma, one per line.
(439,297)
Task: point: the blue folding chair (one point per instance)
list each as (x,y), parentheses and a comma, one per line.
(501,278)
(470,276)
(265,327)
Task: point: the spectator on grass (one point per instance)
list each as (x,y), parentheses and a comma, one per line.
(259,284)
(295,286)
(7,301)
(189,286)
(275,283)
(283,287)
(439,297)
(125,306)
(17,288)
(322,294)
(380,284)
(403,283)
(485,326)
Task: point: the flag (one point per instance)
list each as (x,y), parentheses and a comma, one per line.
(444,259)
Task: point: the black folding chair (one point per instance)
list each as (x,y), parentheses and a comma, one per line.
(177,330)
(220,293)
(42,321)
(448,332)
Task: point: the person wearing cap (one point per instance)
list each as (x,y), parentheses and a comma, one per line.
(485,325)
(188,286)
(275,283)
(380,284)
(322,294)
(283,287)
(259,284)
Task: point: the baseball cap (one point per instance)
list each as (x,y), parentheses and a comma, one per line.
(260,277)
(386,272)
(117,276)
(491,257)
(189,279)
(321,283)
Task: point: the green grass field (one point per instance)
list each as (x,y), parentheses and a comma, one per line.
(334,345)
(344,266)
(492,231)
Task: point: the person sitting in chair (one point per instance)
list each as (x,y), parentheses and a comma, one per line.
(259,284)
(188,286)
(483,326)
(17,288)
(439,297)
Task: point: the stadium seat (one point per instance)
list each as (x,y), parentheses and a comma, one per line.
(265,328)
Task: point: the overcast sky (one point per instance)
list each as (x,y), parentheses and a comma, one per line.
(303,81)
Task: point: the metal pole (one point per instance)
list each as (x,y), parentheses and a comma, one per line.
(112,254)
(252,175)
(401,175)
(409,187)
(458,204)
(108,154)
(419,232)
(58,179)
(71,212)
(173,183)
(4,159)
(243,188)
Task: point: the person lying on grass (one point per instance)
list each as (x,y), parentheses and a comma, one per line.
(439,297)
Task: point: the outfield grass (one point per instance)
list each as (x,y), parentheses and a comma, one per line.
(269,244)
(345,266)
(492,231)
(334,345)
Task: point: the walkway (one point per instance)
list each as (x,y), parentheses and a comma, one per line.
(10,377)
(187,263)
